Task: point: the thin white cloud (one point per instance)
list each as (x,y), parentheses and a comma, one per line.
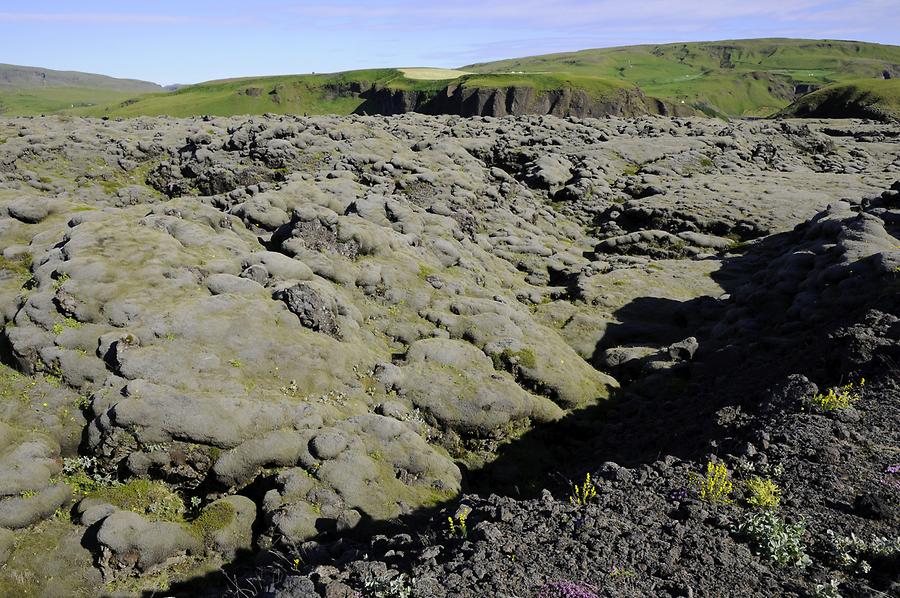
(543,17)
(554,12)
(646,20)
(88,18)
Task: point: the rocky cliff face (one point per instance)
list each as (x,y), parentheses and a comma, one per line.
(525,100)
(510,101)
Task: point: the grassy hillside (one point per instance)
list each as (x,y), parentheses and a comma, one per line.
(13,76)
(728,78)
(26,90)
(864,98)
(288,94)
(743,77)
(326,93)
(54,100)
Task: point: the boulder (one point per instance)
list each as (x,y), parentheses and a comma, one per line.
(128,542)
(16,513)
(226,525)
(30,210)
(315,311)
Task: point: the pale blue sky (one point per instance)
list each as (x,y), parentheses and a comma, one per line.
(195,40)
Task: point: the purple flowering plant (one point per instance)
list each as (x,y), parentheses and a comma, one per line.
(566,589)
(891,477)
(678,495)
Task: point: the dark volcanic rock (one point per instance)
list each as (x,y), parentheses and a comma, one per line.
(313,310)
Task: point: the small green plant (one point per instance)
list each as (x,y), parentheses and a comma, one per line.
(154,500)
(19,267)
(776,540)
(425,271)
(398,587)
(715,487)
(83,475)
(70,322)
(763,493)
(523,358)
(212,519)
(582,495)
(53,375)
(458,525)
(60,280)
(235,363)
(839,397)
(616,572)
(830,589)
(853,553)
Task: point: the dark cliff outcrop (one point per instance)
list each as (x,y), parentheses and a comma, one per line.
(505,101)
(517,101)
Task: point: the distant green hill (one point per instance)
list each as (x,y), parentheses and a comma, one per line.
(285,94)
(339,93)
(740,78)
(863,99)
(26,90)
(727,78)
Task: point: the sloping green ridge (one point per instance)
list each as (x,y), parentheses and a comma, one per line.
(739,77)
(13,76)
(863,99)
(287,94)
(324,94)
(53,100)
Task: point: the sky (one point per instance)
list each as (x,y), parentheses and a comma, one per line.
(189,41)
